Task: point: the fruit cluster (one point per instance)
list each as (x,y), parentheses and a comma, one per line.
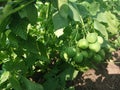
(89,48)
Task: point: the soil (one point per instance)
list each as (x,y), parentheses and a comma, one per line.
(106,77)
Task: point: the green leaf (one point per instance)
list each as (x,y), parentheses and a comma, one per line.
(30,12)
(73,0)
(19,27)
(55,3)
(63,8)
(4,23)
(13,39)
(4,77)
(8,7)
(82,10)
(61,2)
(92,7)
(3,39)
(29,44)
(15,83)
(74,12)
(3,55)
(31,59)
(110,19)
(59,21)
(29,85)
(17,65)
(101,28)
(69,74)
(51,84)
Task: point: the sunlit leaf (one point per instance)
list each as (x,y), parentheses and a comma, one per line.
(110,19)
(92,8)
(4,77)
(101,28)
(59,32)
(74,12)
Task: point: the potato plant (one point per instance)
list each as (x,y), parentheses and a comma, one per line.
(55,39)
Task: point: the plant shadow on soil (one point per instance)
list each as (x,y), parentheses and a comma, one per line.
(106,77)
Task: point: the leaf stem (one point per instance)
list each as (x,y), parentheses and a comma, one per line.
(83,26)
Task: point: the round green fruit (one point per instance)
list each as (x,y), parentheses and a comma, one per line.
(91,37)
(78,58)
(99,39)
(83,43)
(71,51)
(97,58)
(85,54)
(95,47)
(102,53)
(90,54)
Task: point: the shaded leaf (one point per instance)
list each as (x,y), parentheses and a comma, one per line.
(15,83)
(3,39)
(19,27)
(69,74)
(29,85)
(51,84)
(4,23)
(30,12)
(13,40)
(59,21)
(82,10)
(63,8)
(30,44)
(17,65)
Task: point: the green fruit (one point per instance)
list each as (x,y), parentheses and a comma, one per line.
(78,58)
(91,37)
(102,53)
(71,51)
(99,39)
(90,54)
(95,47)
(97,58)
(83,43)
(85,54)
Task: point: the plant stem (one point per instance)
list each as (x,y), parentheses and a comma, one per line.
(6,14)
(49,10)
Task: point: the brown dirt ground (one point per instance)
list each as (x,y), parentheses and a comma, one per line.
(106,77)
